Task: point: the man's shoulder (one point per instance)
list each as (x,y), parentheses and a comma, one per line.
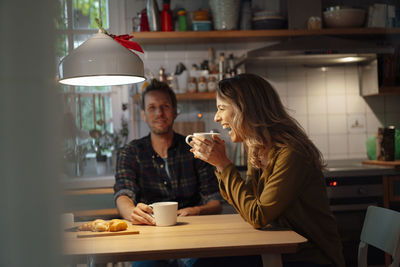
(136,144)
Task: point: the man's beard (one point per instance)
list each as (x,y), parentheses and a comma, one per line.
(162,131)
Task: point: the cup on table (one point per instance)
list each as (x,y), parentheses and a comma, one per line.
(165,213)
(205,135)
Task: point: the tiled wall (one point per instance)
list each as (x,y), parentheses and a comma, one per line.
(326,102)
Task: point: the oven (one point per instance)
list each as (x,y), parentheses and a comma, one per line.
(349,198)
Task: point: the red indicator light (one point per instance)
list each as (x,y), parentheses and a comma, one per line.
(334,183)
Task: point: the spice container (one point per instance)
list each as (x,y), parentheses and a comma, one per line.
(202,84)
(212,84)
(192,85)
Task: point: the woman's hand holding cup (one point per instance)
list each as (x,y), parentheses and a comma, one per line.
(210,148)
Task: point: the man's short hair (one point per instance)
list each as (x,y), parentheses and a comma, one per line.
(156,85)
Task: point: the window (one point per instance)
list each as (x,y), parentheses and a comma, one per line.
(89,137)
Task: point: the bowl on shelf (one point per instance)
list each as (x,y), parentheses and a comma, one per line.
(344,17)
(268,22)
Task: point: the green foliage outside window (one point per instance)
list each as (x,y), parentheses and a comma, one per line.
(90,8)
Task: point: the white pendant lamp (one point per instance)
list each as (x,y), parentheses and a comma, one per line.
(101,61)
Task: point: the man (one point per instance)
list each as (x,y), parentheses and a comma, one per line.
(160,166)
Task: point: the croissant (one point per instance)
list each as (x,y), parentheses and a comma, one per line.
(99,225)
(117,225)
(86,227)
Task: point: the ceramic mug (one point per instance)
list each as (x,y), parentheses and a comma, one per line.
(165,213)
(205,135)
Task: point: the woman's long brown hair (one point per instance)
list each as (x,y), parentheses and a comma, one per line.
(261,120)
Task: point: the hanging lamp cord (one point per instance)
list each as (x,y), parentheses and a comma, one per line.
(99,21)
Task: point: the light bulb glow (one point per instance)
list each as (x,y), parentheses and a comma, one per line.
(102,80)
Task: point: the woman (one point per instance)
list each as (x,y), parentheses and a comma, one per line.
(285,185)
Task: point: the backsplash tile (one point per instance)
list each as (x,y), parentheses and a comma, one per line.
(336,104)
(337,124)
(317,124)
(317,104)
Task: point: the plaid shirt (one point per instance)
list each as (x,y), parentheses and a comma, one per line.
(141,175)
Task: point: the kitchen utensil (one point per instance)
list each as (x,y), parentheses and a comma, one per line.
(153,15)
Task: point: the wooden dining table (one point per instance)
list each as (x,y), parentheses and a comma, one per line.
(192,236)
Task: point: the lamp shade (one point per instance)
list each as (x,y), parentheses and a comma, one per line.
(101,61)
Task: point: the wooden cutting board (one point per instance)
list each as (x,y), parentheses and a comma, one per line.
(132,230)
(395,163)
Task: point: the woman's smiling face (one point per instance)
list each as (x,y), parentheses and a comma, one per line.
(224,116)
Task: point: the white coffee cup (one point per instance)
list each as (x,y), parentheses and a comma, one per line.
(205,135)
(165,213)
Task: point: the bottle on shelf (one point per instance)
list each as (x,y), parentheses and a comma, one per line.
(162,77)
(231,71)
(144,22)
(166,18)
(212,67)
(182,20)
(221,66)
(153,15)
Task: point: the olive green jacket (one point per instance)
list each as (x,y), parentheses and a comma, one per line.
(289,193)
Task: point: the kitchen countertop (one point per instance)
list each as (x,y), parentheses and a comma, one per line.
(354,167)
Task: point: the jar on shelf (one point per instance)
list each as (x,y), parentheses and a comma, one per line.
(192,85)
(202,84)
(212,84)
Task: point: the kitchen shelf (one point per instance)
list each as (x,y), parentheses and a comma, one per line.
(188,96)
(191,37)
